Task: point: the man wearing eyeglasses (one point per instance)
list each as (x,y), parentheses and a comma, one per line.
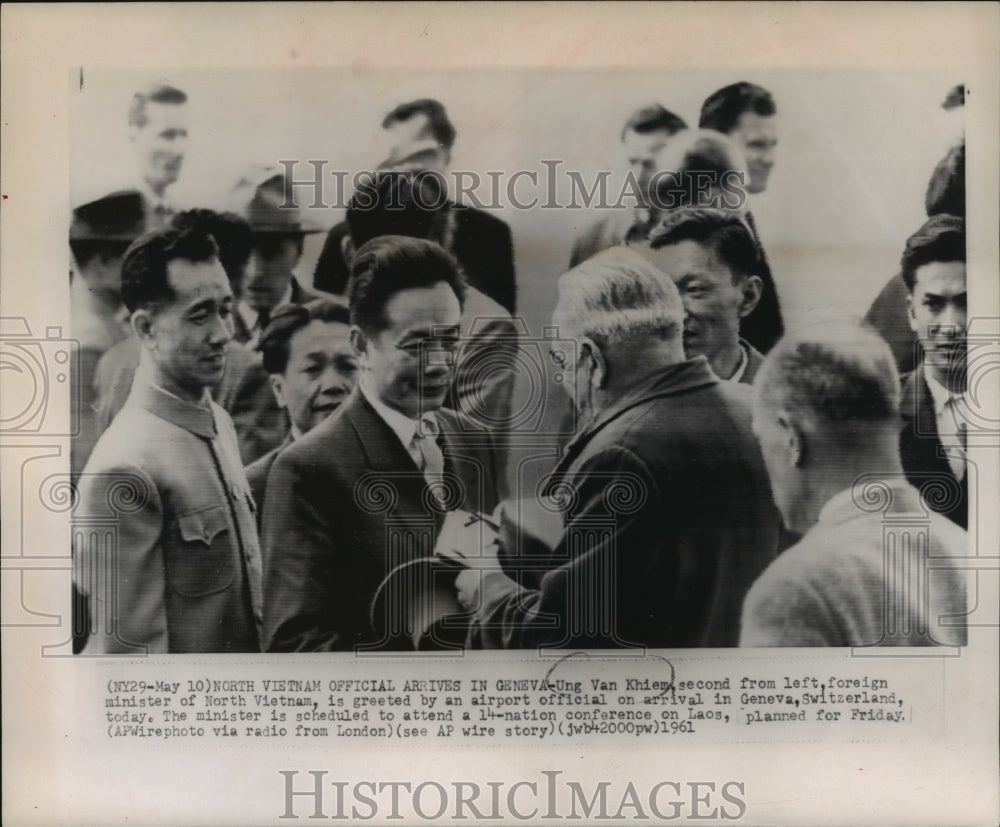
(367,489)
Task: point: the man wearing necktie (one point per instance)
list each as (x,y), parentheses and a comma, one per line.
(367,489)
(933,441)
(158,132)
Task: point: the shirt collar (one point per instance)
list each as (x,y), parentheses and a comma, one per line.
(250,316)
(402,426)
(843,506)
(939,393)
(742,367)
(152,198)
(198,419)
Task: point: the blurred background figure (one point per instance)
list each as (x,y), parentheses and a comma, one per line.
(945,196)
(99,236)
(421,138)
(646,133)
(263,196)
(307,354)
(934,440)
(826,413)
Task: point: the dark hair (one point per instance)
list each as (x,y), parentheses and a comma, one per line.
(653,118)
(233,236)
(288,320)
(437,119)
(144,270)
(699,158)
(941,238)
(390,264)
(396,203)
(725,233)
(722,109)
(157,93)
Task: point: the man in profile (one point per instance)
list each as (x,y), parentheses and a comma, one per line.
(421,138)
(826,412)
(714,260)
(645,134)
(307,354)
(367,489)
(646,558)
(185,572)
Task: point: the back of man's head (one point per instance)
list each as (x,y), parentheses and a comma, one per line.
(839,379)
(723,232)
(145,282)
(618,296)
(698,168)
(722,109)
(438,127)
(396,203)
(653,118)
(154,93)
(389,264)
(941,238)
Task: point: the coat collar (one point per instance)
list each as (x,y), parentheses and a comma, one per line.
(198,419)
(670,381)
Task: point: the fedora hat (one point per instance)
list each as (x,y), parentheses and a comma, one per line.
(264,196)
(415,607)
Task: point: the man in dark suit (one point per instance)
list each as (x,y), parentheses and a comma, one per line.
(644,135)
(421,138)
(264,197)
(747,114)
(645,558)
(933,442)
(367,489)
(714,260)
(307,354)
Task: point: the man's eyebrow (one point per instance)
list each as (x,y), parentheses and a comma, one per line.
(205,304)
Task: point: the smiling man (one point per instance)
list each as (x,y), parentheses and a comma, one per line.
(185,573)
(747,114)
(158,131)
(713,259)
(355,497)
(307,354)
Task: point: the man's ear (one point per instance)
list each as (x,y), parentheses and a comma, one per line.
(752,288)
(278,388)
(142,325)
(359,343)
(911,315)
(600,374)
(347,250)
(795,441)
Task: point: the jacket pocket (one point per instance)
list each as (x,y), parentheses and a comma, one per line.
(201,561)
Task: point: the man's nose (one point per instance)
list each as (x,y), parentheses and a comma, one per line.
(221,330)
(951,321)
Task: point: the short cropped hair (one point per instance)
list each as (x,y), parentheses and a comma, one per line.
(618,294)
(725,233)
(232,233)
(437,119)
(288,320)
(653,118)
(389,264)
(723,108)
(838,373)
(396,203)
(941,238)
(155,93)
(144,269)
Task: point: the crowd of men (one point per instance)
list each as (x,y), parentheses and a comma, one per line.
(325,466)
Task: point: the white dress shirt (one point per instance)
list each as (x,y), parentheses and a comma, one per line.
(951,425)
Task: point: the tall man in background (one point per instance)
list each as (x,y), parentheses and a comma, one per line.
(747,113)
(644,135)
(421,138)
